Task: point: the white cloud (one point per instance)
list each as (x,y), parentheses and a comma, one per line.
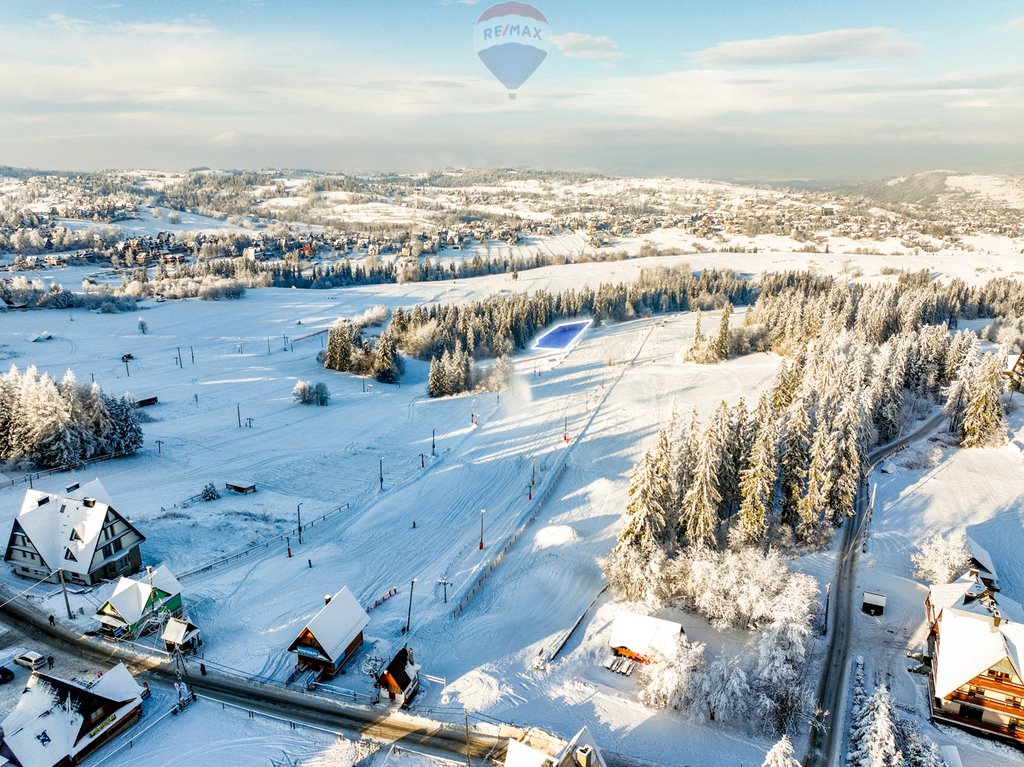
(60,21)
(165,29)
(577,45)
(1015,25)
(834,45)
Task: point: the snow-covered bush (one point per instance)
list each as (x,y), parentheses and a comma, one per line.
(781,755)
(940,559)
(210,492)
(668,681)
(307,393)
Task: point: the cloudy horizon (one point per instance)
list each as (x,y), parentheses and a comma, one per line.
(793,91)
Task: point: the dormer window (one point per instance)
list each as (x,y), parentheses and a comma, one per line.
(68,555)
(75,536)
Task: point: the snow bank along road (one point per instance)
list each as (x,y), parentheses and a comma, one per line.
(824,740)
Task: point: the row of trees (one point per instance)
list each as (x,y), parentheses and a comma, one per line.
(62,425)
(881,738)
(348,351)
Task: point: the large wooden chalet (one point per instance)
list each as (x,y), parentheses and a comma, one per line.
(59,722)
(333,635)
(77,531)
(974,643)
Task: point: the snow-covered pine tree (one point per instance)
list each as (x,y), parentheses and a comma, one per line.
(386,365)
(702,500)
(648,488)
(983,424)
(720,345)
(697,347)
(9,386)
(795,456)
(873,733)
(437,379)
(55,440)
(126,434)
(812,507)
(757,486)
(781,755)
(98,420)
(684,464)
(728,427)
(957,396)
(661,466)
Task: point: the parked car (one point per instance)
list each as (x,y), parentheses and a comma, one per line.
(6,675)
(31,660)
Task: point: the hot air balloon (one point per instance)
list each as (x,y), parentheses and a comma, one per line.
(512,39)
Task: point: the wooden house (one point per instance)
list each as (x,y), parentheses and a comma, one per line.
(333,635)
(134,603)
(977,679)
(181,635)
(401,679)
(58,723)
(78,532)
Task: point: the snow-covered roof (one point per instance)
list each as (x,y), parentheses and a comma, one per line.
(521,755)
(131,597)
(45,727)
(59,523)
(643,634)
(178,631)
(969,645)
(967,594)
(117,684)
(983,559)
(338,623)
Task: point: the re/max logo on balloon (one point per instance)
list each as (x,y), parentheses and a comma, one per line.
(513,30)
(512,39)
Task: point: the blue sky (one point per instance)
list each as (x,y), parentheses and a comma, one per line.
(737,89)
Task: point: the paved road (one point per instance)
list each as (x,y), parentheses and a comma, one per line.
(825,740)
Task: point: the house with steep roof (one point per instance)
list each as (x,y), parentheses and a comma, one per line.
(401,679)
(134,602)
(975,645)
(78,532)
(333,635)
(181,635)
(58,722)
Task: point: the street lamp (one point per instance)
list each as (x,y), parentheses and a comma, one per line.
(298,519)
(408,620)
(481,529)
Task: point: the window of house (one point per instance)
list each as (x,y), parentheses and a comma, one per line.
(118,544)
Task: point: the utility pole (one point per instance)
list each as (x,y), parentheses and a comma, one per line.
(238,409)
(181,362)
(382,475)
(481,529)
(828,594)
(126,370)
(444,585)
(159,444)
(533,477)
(433,441)
(423,459)
(465,715)
(408,620)
(64,588)
(193,353)
(298,519)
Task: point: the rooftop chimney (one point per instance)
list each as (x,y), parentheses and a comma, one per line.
(72,488)
(327,599)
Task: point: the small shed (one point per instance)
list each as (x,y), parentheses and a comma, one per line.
(333,635)
(146,401)
(44,336)
(182,635)
(873,604)
(401,679)
(639,637)
(242,488)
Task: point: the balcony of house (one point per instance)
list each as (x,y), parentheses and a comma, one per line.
(1005,731)
(1002,685)
(1007,707)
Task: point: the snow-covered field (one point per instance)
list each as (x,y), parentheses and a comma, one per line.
(611,391)
(214,363)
